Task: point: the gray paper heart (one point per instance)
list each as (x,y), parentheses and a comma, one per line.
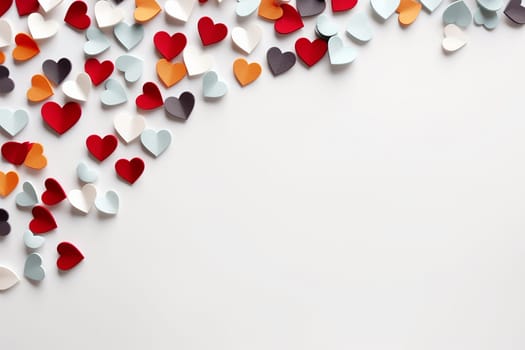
(180,108)
(280,62)
(6,83)
(58,71)
(28,197)
(309,8)
(33,269)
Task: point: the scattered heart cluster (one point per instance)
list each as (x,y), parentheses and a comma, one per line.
(177,59)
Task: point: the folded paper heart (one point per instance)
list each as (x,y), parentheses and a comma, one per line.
(339,53)
(26,48)
(2,58)
(57,71)
(28,197)
(343,5)
(156,142)
(359,27)
(86,174)
(310,52)
(490,5)
(431,5)
(40,89)
(270,10)
(169,46)
(35,158)
(212,87)
(210,32)
(48,5)
(83,199)
(245,8)
(33,269)
(179,9)
(54,193)
(97,42)
(196,62)
(32,241)
(12,122)
(108,203)
(128,35)
(114,93)
(515,11)
(6,84)
(485,18)
(79,88)
(146,10)
(98,71)
(408,11)
(247,38)
(107,15)
(59,118)
(26,7)
(454,38)
(457,13)
(4,6)
(43,221)
(128,126)
(68,256)
(308,8)
(5,227)
(8,278)
(325,27)
(6,33)
(41,28)
(246,73)
(101,147)
(129,170)
(181,107)
(16,152)
(278,61)
(8,182)
(150,98)
(131,66)
(289,22)
(384,8)
(170,73)
(76,15)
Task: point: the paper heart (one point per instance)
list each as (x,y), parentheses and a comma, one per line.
(83,199)
(31,241)
(129,170)
(12,122)
(181,107)
(97,42)
(57,71)
(310,52)
(343,5)
(490,5)
(48,5)
(6,33)
(8,278)
(79,88)
(325,27)
(515,12)
(33,269)
(270,10)
(196,62)
(245,8)
(247,39)
(170,73)
(131,66)
(28,197)
(210,32)
(68,256)
(98,71)
(16,152)
(76,15)
(2,57)
(61,119)
(150,98)
(485,18)
(246,73)
(384,8)
(212,88)
(107,15)
(35,158)
(26,7)
(26,48)
(40,28)
(54,193)
(4,6)
(338,53)
(454,38)
(114,93)
(289,22)
(101,148)
(6,84)
(40,89)
(169,46)
(179,9)
(457,13)
(128,35)
(156,142)
(359,27)
(43,221)
(129,127)
(278,61)
(431,5)
(108,203)
(309,8)
(8,182)
(5,228)
(146,10)
(86,174)
(408,11)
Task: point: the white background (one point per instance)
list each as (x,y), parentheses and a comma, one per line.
(381,206)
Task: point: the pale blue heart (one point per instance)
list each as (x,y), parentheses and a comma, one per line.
(212,87)
(131,66)
(86,174)
(457,13)
(487,19)
(33,269)
(156,142)
(33,241)
(108,203)
(431,5)
(115,94)
(338,53)
(384,8)
(28,197)
(359,27)
(245,8)
(490,5)
(13,122)
(97,42)
(129,35)
(326,26)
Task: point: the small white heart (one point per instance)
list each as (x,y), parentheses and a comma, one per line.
(156,142)
(247,39)
(340,54)
(107,15)
(8,278)
(84,198)
(179,9)
(33,241)
(384,8)
(196,62)
(86,174)
(359,27)
(28,197)
(108,203)
(245,8)
(79,88)
(40,28)
(129,127)
(48,5)
(6,33)
(454,38)
(13,122)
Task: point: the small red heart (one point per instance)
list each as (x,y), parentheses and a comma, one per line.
(76,15)
(69,256)
(16,152)
(98,71)
(202,1)
(54,193)
(61,119)
(130,170)
(43,221)
(4,6)
(150,98)
(343,5)
(26,7)
(210,32)
(289,22)
(101,148)
(310,52)
(169,46)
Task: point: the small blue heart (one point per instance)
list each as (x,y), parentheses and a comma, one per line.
(156,142)
(86,174)
(28,197)
(114,93)
(131,66)
(32,241)
(212,87)
(33,269)
(457,13)
(129,35)
(97,42)
(13,122)
(487,19)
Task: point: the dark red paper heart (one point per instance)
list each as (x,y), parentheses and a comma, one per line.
(16,152)
(343,5)
(101,148)
(98,71)
(310,52)
(54,192)
(169,46)
(210,32)
(289,22)
(43,221)
(4,6)
(61,119)
(151,97)
(69,256)
(76,15)
(26,7)
(130,170)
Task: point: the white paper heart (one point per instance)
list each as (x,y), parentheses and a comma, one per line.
(32,241)
(131,66)
(108,203)
(79,88)
(86,174)
(48,5)
(28,197)
(454,38)
(212,87)
(13,122)
(41,28)
(245,8)
(179,9)
(107,15)
(359,27)
(114,93)
(84,198)
(247,38)
(156,142)
(196,62)
(8,278)
(128,126)
(384,8)
(338,53)
(97,42)
(325,26)
(6,33)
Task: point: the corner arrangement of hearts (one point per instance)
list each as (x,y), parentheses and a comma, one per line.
(177,59)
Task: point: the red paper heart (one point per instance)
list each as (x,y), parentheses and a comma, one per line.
(169,46)
(150,98)
(61,119)
(16,152)
(76,15)
(210,32)
(54,193)
(4,6)
(289,22)
(130,170)
(98,71)
(43,221)
(101,148)
(343,5)
(26,7)
(69,256)
(310,52)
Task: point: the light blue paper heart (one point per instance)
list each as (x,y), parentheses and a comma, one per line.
(108,203)
(487,19)
(359,27)
(129,35)
(340,54)
(384,8)
(28,197)
(97,42)
(131,66)
(457,13)
(212,87)
(33,241)
(114,95)
(245,8)
(431,5)
(490,5)
(325,26)
(13,122)
(86,174)
(33,269)
(156,142)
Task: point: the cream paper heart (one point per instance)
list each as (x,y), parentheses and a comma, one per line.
(84,198)
(247,38)
(107,15)
(79,88)
(128,126)
(179,9)
(40,28)
(454,38)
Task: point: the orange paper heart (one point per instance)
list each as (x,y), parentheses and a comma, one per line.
(269,9)
(146,10)
(40,89)
(26,48)
(408,11)
(170,73)
(246,73)
(8,183)
(2,57)
(35,159)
